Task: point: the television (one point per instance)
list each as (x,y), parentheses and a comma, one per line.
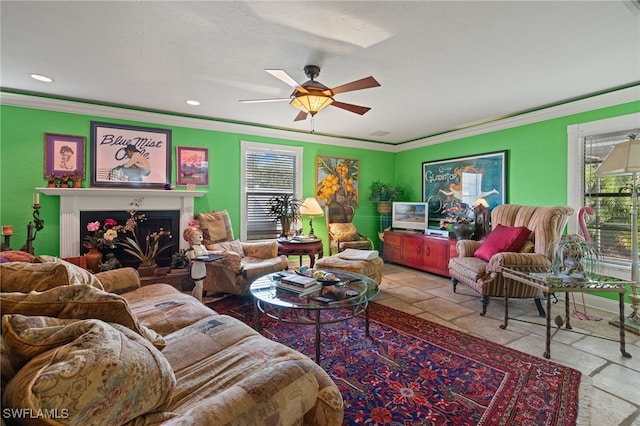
(412,216)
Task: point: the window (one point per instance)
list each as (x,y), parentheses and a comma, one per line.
(608,196)
(268,170)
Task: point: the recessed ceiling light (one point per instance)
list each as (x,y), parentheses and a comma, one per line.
(41,77)
(192,102)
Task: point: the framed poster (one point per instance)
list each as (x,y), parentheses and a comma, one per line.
(457,183)
(337,181)
(193,166)
(130,156)
(63,155)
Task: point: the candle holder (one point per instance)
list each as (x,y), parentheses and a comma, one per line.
(37,224)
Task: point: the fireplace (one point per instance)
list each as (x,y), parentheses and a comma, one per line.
(154,220)
(73,201)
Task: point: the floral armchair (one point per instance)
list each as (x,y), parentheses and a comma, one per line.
(342,232)
(243,261)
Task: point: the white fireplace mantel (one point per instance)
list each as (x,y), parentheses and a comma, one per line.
(75,200)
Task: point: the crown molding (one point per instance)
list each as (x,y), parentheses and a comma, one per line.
(122,113)
(616,97)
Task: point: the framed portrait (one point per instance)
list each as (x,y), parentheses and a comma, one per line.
(337,181)
(193,166)
(457,183)
(63,155)
(130,156)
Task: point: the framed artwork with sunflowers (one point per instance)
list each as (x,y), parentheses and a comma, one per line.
(337,181)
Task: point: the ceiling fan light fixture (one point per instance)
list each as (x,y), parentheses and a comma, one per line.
(311,103)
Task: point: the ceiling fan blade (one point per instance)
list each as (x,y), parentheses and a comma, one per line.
(287,79)
(255,101)
(351,107)
(301,116)
(363,83)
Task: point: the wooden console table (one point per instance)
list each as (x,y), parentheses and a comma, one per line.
(553,284)
(425,252)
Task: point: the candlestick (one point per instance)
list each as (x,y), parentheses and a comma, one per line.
(7,231)
(36,198)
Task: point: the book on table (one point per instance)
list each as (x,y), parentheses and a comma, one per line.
(299,280)
(300,291)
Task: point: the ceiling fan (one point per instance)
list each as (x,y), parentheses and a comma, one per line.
(313,96)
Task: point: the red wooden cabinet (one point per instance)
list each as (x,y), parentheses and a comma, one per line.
(424,252)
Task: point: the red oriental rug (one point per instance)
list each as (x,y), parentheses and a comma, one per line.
(412,371)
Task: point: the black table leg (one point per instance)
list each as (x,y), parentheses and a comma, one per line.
(622,343)
(547,352)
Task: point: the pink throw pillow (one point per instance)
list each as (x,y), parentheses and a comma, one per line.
(501,239)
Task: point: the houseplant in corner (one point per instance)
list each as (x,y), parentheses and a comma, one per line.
(285,209)
(154,244)
(384,194)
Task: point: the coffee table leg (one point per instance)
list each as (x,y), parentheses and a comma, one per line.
(547,352)
(566,311)
(622,343)
(366,321)
(318,325)
(256,323)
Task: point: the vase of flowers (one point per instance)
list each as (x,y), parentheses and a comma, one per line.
(147,250)
(100,236)
(459,216)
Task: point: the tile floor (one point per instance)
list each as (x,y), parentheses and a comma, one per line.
(610,385)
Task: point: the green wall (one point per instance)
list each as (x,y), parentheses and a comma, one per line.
(22,164)
(536,171)
(536,156)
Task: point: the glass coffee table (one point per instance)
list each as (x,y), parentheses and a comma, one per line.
(347,299)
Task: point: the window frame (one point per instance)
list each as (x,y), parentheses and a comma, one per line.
(257,147)
(576,134)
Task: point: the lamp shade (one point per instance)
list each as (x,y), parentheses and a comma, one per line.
(624,159)
(311,103)
(310,207)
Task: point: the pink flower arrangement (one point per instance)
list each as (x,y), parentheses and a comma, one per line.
(456,213)
(102,236)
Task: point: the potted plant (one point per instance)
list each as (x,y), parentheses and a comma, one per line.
(384,194)
(285,209)
(572,254)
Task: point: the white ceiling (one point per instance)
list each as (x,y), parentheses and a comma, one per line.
(442,65)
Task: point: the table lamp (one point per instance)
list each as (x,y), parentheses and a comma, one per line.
(311,208)
(624,159)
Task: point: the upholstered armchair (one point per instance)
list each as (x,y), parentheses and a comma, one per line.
(243,261)
(481,268)
(342,232)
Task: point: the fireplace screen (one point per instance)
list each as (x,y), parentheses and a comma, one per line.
(155,219)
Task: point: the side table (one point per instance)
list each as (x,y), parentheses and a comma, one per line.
(178,278)
(550,284)
(302,248)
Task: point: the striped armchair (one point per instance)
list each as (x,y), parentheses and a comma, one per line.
(546,225)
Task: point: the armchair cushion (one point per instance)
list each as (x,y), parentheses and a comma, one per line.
(215,226)
(234,246)
(502,239)
(344,232)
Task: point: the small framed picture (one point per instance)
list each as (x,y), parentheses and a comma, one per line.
(130,156)
(193,166)
(63,155)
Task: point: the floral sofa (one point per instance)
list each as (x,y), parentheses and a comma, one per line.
(84,349)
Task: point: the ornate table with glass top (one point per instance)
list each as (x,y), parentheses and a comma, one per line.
(347,299)
(550,283)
